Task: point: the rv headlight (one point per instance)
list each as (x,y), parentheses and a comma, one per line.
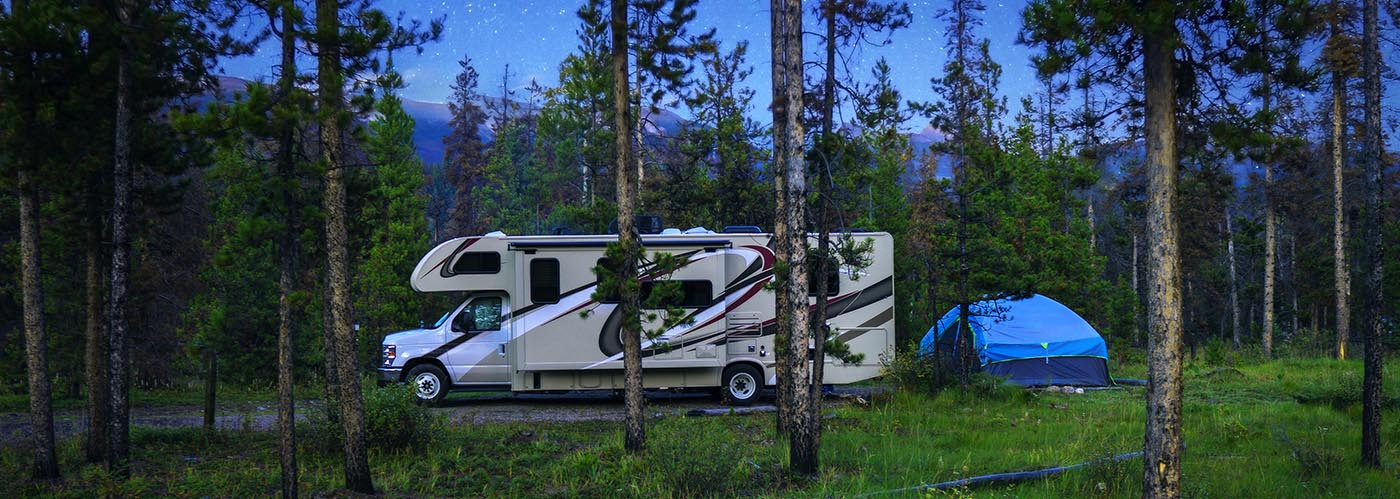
(388,355)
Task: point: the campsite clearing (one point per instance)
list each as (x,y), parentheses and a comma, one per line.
(1279,429)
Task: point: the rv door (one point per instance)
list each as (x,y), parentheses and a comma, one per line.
(479,327)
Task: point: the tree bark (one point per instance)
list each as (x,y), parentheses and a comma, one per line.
(95,360)
(781,150)
(1270,222)
(332,367)
(330,84)
(35,343)
(1234,282)
(634,433)
(211,386)
(286,401)
(819,328)
(1341,272)
(793,321)
(1374,244)
(1162,445)
(1293,283)
(119,408)
(45,464)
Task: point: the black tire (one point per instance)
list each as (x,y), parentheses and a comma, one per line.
(740,384)
(429,383)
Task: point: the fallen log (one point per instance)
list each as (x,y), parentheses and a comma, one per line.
(1011,477)
(725,411)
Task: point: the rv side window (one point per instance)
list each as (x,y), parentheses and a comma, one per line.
(477,262)
(544,280)
(693,294)
(833,277)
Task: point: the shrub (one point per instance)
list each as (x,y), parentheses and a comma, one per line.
(914,372)
(393,420)
(924,374)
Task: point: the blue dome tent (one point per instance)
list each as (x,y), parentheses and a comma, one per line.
(1034,341)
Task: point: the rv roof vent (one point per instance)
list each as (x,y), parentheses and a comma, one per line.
(699,230)
(670,231)
(742,229)
(495,233)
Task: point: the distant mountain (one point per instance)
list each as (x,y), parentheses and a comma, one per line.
(432,120)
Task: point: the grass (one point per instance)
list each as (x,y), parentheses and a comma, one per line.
(1287,428)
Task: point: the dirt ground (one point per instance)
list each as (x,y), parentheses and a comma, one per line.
(460,408)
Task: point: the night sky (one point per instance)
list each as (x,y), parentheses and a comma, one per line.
(534,37)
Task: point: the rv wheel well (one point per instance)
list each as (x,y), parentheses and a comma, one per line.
(755,365)
(412,363)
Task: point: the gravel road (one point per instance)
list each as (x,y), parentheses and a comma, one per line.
(468,408)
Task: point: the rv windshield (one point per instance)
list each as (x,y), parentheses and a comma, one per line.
(442,319)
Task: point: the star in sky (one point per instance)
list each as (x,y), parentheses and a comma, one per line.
(533,37)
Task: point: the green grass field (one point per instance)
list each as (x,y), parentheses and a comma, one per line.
(1287,428)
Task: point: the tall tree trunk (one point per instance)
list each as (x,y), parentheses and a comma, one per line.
(1341,272)
(330,83)
(1234,282)
(1374,244)
(119,407)
(1293,284)
(332,395)
(1137,288)
(781,150)
(96,349)
(819,329)
(634,434)
(35,344)
(286,401)
(1093,224)
(211,386)
(1162,446)
(1270,222)
(793,320)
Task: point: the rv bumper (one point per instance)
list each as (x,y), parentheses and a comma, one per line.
(389,375)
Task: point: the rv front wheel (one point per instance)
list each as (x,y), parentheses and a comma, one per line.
(429,383)
(741,384)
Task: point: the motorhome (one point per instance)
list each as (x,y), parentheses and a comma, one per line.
(529,321)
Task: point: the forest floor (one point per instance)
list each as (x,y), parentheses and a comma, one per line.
(1286,428)
(260,413)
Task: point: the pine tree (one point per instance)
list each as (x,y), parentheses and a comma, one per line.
(721,138)
(848,24)
(1372,241)
(1125,33)
(965,111)
(465,157)
(21,84)
(576,124)
(393,211)
(341,55)
(1274,32)
(291,19)
(1340,55)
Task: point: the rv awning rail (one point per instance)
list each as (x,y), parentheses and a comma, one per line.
(704,243)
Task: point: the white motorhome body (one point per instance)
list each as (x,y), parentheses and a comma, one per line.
(530,323)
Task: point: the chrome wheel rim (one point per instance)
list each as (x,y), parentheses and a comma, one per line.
(427,385)
(742,386)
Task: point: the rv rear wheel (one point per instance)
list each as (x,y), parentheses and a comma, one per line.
(741,384)
(430,384)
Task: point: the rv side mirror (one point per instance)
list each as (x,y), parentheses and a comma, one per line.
(463,322)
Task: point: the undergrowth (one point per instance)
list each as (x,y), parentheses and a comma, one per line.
(1253,429)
